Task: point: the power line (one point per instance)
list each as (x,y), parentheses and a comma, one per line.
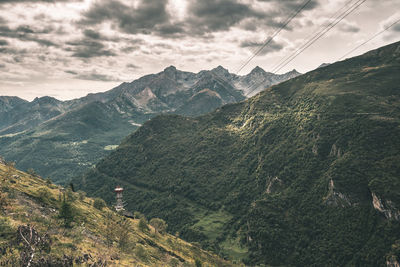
(379,33)
(319,35)
(318,29)
(269,39)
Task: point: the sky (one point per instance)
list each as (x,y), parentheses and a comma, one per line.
(69,48)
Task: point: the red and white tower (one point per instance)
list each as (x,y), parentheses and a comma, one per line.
(120,204)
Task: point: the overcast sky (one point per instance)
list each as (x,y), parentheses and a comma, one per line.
(66,48)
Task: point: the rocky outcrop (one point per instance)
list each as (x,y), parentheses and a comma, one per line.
(386,207)
(335,198)
(392,262)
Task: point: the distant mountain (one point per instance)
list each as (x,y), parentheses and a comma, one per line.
(304,174)
(62,138)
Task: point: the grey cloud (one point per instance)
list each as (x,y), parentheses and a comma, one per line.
(12,51)
(395,28)
(26,33)
(132,66)
(92,34)
(142,19)
(272,46)
(290,5)
(209,15)
(71,72)
(2,66)
(3,42)
(350,28)
(88,48)
(94,76)
(35,1)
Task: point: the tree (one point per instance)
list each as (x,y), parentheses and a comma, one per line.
(109,229)
(67,213)
(99,203)
(122,233)
(159,225)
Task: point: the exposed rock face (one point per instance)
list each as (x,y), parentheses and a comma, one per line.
(336,198)
(392,262)
(386,207)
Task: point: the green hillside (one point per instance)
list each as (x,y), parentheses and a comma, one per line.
(42,224)
(304,173)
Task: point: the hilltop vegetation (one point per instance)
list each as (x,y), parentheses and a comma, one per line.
(304,173)
(44,225)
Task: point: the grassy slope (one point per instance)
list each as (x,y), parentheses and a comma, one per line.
(256,175)
(87,234)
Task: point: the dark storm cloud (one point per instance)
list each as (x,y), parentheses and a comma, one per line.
(86,48)
(291,5)
(209,15)
(148,15)
(272,46)
(3,42)
(92,34)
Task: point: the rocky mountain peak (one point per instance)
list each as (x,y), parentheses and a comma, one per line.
(257,70)
(221,71)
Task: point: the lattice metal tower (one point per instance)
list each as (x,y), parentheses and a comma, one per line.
(120,204)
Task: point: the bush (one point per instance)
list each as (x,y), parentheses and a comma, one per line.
(138,215)
(44,194)
(159,225)
(99,203)
(70,195)
(143,224)
(5,228)
(141,252)
(81,195)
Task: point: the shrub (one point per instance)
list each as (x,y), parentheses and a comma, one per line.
(143,224)
(141,252)
(81,195)
(159,225)
(44,194)
(99,203)
(5,228)
(138,215)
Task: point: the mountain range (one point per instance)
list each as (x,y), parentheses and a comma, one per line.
(305,173)
(59,139)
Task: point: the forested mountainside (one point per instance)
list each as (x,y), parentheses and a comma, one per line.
(42,224)
(304,173)
(76,134)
